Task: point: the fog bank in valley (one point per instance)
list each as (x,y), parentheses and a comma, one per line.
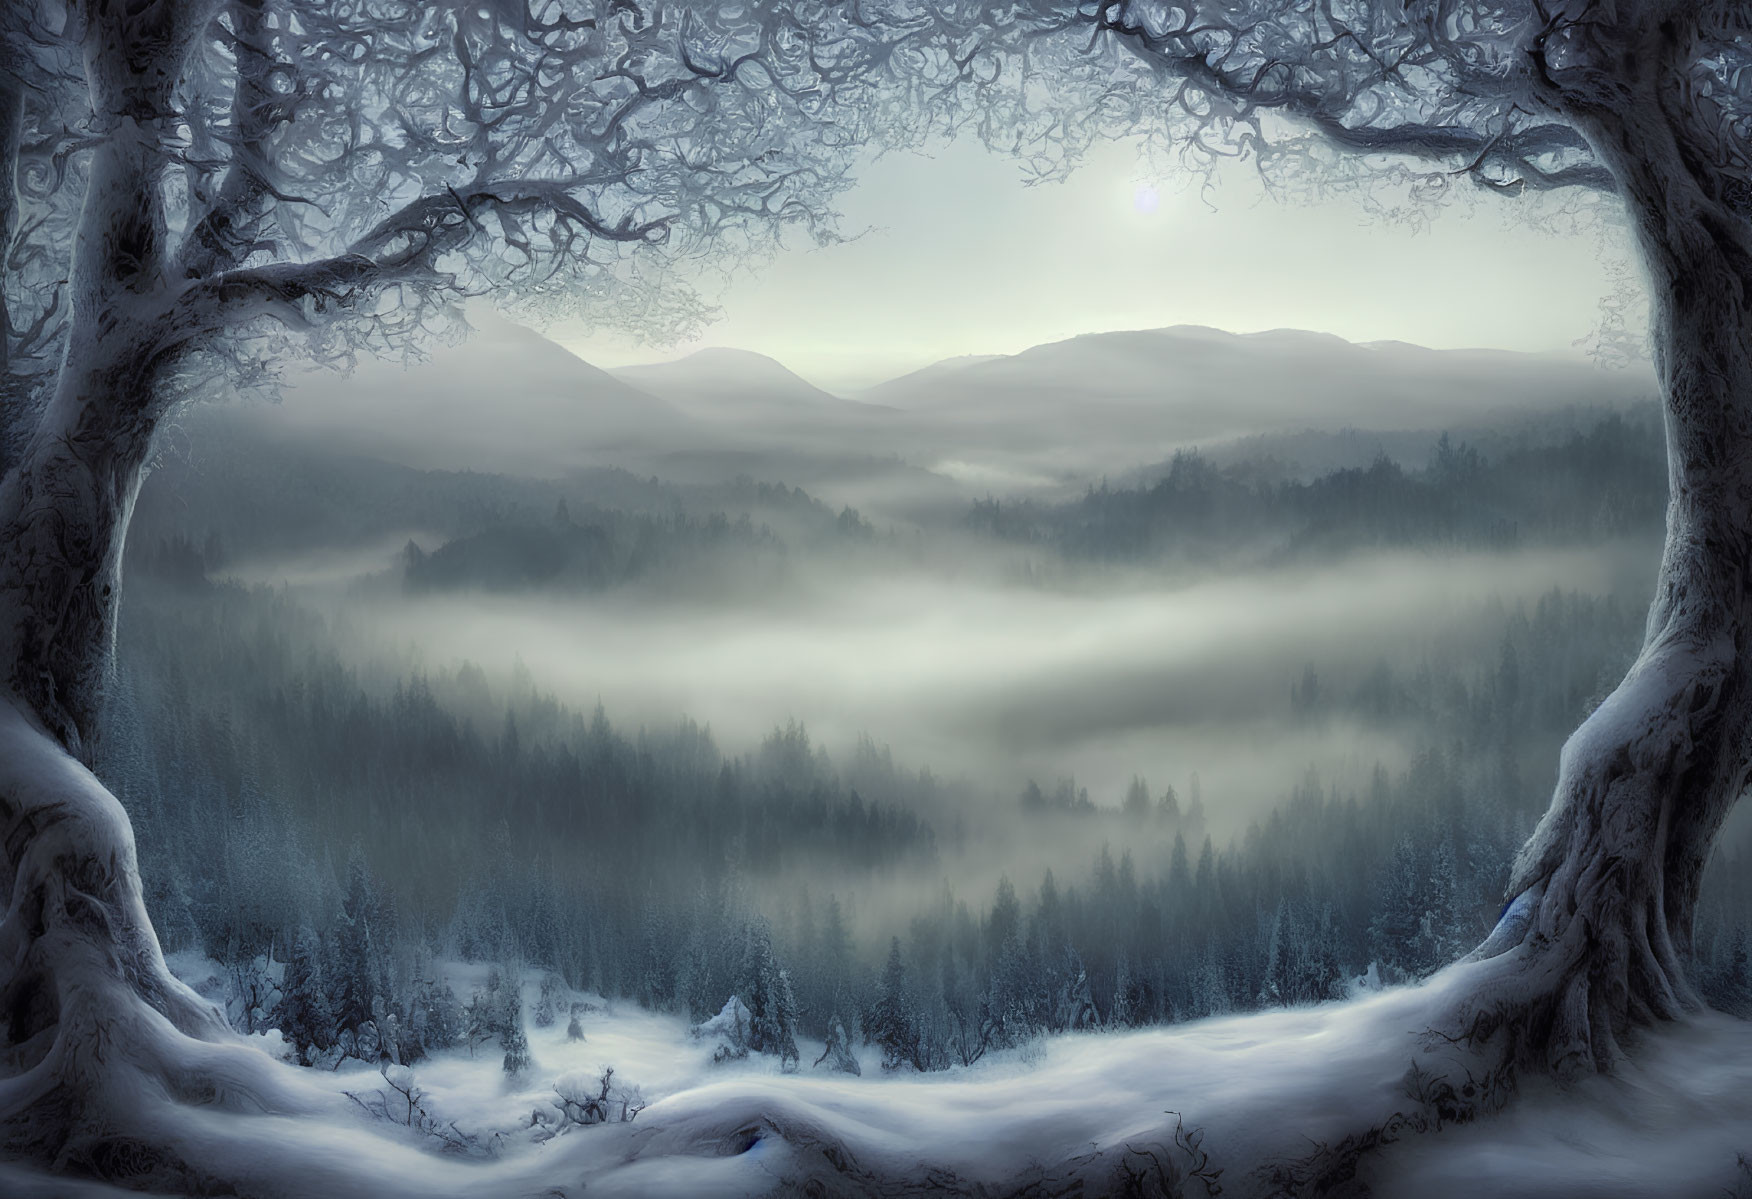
(1003,684)
(1131,678)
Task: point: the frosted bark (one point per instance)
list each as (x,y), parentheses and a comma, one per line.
(1606,889)
(616,129)
(95,1027)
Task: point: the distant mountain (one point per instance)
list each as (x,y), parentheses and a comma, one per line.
(738,385)
(936,372)
(1044,422)
(505,399)
(1191,383)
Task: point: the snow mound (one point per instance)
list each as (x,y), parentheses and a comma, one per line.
(1228,1095)
(729,1030)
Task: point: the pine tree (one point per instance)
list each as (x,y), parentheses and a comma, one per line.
(891,1025)
(772,1002)
(1321,972)
(516,1048)
(304,1015)
(1137,800)
(1075,1007)
(356,981)
(509,1019)
(1004,924)
(1274,989)
(1396,923)
(1179,871)
(544,1003)
(1012,996)
(440,1019)
(1441,939)
(1124,1013)
(484,1017)
(786,1002)
(697,983)
(835,957)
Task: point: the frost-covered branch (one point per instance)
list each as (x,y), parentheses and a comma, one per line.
(1368,78)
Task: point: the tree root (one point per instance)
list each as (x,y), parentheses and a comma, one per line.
(102,1043)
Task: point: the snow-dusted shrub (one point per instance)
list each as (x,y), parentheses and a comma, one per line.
(403,1101)
(546,1002)
(435,1018)
(403,1040)
(274,1043)
(586,1099)
(496,1014)
(362,1043)
(1074,1004)
(323,1058)
(254,994)
(516,1049)
(838,1054)
(730,1028)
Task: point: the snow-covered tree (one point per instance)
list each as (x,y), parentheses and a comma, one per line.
(837,1053)
(436,1020)
(767,990)
(357,944)
(834,959)
(1632,107)
(255,997)
(784,1039)
(304,1016)
(729,1030)
(189,189)
(1397,928)
(545,1001)
(892,1022)
(1123,1011)
(1074,1005)
(516,1044)
(483,1018)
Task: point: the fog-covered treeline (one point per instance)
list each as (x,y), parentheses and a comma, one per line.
(604,547)
(1605,480)
(334,818)
(241,494)
(357,825)
(246,498)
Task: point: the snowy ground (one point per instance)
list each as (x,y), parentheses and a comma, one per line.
(1264,1086)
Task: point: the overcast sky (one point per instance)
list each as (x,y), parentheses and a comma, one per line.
(962,258)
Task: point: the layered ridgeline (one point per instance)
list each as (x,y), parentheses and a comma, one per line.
(342,810)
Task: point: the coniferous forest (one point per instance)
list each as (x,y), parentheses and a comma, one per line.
(332,824)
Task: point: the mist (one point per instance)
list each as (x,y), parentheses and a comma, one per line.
(1163,628)
(1139,676)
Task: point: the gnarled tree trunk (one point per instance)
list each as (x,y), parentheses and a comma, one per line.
(93,1028)
(1595,941)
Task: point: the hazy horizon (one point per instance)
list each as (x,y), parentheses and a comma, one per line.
(858,385)
(1126,244)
